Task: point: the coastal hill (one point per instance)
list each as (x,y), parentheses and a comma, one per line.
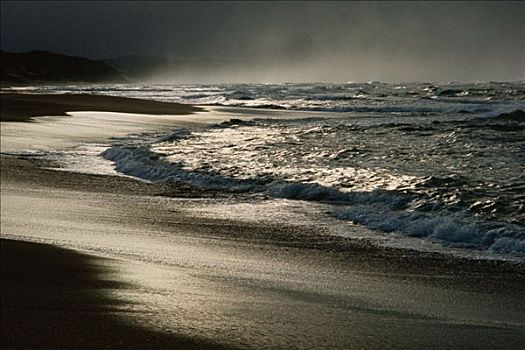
(157,68)
(137,67)
(41,67)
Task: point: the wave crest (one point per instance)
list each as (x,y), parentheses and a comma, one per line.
(378,210)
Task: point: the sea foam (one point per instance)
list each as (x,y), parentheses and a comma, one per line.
(378,210)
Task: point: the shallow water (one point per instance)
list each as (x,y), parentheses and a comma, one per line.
(440,162)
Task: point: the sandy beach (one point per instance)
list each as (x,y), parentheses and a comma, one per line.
(54,298)
(21,107)
(91,261)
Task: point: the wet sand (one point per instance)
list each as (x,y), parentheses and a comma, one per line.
(53,298)
(173,275)
(22,107)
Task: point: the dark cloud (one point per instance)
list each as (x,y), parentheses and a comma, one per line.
(275,41)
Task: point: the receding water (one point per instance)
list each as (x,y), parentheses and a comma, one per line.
(441,162)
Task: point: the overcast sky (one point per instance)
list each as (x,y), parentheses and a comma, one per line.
(297,41)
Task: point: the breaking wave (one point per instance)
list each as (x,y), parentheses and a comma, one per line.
(387,211)
(374,97)
(443,162)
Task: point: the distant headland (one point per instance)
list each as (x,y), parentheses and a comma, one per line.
(42,67)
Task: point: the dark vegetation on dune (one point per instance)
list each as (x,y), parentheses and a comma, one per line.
(136,67)
(143,68)
(39,67)
(42,67)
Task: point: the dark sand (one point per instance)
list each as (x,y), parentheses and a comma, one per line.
(197,281)
(21,107)
(308,313)
(53,298)
(492,273)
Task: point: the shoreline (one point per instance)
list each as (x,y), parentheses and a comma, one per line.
(63,303)
(375,257)
(17,107)
(250,285)
(204,264)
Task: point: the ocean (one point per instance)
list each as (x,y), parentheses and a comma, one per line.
(442,164)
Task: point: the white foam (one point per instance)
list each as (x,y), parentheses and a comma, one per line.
(377,210)
(453,229)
